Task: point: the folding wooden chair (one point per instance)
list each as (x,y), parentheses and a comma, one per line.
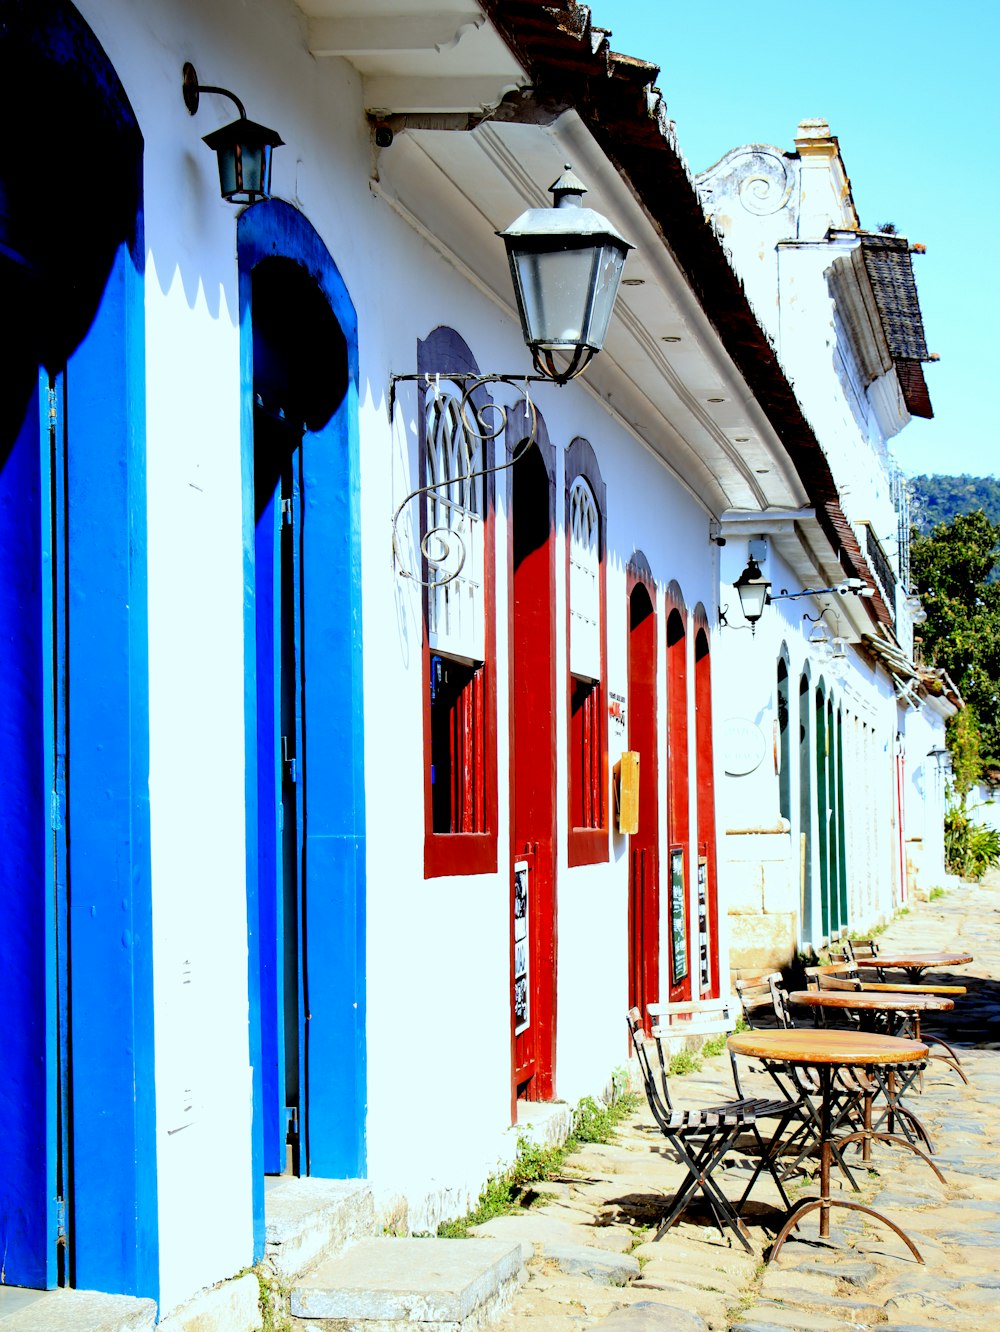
(700,1138)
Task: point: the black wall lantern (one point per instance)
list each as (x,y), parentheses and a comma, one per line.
(243,147)
(753,589)
(566,262)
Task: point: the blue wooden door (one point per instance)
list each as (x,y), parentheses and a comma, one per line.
(279,769)
(28,992)
(300,365)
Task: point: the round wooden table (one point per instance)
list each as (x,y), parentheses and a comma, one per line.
(895,1011)
(826,1050)
(869,1004)
(915,964)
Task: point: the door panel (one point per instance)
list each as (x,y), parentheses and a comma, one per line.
(533,778)
(28,988)
(279,822)
(644,888)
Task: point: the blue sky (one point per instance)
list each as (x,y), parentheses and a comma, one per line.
(909,91)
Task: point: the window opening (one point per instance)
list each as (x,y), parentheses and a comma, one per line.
(453,544)
(586,694)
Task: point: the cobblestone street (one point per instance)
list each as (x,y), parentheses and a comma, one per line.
(593,1261)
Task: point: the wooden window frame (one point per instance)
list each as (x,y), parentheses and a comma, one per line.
(462,853)
(588,845)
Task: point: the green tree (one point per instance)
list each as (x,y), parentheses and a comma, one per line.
(951,570)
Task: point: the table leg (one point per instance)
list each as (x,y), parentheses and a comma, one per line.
(825,1202)
(824,1154)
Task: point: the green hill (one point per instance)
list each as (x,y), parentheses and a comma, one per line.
(938,499)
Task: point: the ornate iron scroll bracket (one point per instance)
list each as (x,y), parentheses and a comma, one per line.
(442,548)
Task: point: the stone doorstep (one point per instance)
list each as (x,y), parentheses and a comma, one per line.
(308,1219)
(74,1311)
(390,1281)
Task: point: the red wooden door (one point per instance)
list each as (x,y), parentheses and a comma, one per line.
(533,775)
(678,815)
(644,853)
(708,877)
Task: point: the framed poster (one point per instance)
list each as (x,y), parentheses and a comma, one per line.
(678,917)
(522,1009)
(703,940)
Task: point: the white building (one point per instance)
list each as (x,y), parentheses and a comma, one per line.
(833,801)
(313,871)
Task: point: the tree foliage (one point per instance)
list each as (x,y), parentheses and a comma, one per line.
(940,499)
(951,570)
(965,748)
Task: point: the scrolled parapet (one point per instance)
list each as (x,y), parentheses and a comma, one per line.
(759,176)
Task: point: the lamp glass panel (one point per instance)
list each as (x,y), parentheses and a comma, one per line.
(244,171)
(752,598)
(256,169)
(555,288)
(228,174)
(609,261)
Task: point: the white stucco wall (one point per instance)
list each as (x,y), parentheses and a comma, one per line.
(772,914)
(438,1036)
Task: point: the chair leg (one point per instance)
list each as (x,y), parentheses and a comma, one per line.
(766,1161)
(700,1166)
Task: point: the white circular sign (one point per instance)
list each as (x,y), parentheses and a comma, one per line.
(743,746)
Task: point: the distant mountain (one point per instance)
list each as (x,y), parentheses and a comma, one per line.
(938,499)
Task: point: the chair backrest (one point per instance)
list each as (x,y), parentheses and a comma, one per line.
(691,1017)
(830,982)
(813,974)
(841,950)
(758,996)
(657,1091)
(862,948)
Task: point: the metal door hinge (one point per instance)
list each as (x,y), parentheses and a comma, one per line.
(288,760)
(286,512)
(53,406)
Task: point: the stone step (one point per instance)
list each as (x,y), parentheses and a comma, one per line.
(308,1220)
(73,1311)
(439,1285)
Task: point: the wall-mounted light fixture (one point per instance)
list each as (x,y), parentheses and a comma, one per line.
(566,264)
(754,591)
(835,648)
(243,147)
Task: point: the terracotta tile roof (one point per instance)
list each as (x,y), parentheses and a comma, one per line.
(571,64)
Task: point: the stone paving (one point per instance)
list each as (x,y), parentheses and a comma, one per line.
(592,1261)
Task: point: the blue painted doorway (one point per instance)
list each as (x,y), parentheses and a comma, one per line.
(304,703)
(78,1202)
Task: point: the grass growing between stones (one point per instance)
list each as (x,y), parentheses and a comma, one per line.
(513,1190)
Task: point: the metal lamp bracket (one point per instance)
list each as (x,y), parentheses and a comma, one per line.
(484,422)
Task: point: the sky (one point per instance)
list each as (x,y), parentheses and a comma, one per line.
(909,91)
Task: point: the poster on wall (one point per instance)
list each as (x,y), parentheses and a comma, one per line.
(522,1015)
(703,940)
(678,918)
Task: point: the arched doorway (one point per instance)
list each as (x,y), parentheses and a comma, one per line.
(678,814)
(77,1105)
(533,775)
(304,706)
(708,873)
(644,844)
(823,809)
(805,813)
